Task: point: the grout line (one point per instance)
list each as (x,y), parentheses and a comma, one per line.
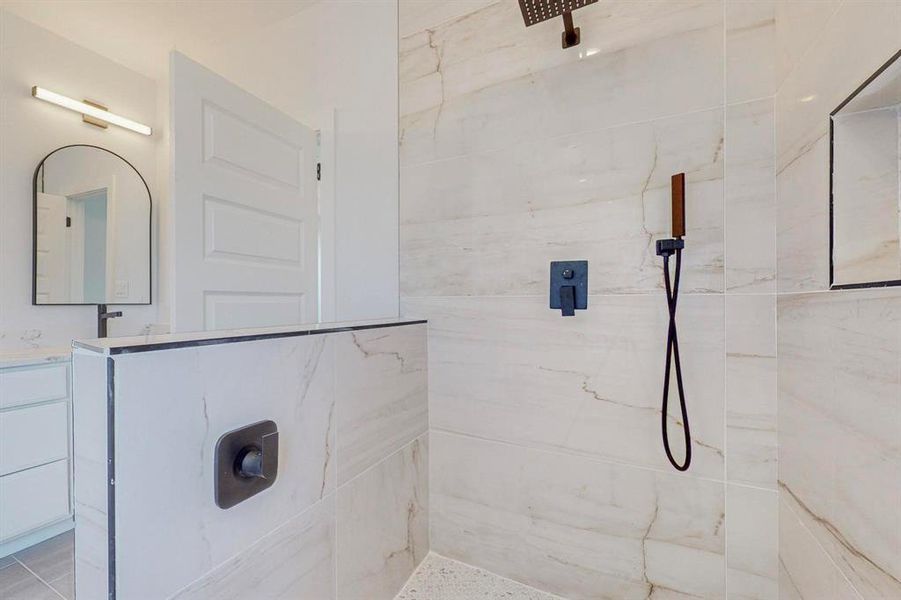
(819,545)
(561,136)
(814,42)
(36,576)
(726,303)
(573,454)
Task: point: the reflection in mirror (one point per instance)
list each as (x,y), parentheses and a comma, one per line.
(92,229)
(866,183)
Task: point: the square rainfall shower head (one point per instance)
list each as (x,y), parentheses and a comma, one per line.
(538,11)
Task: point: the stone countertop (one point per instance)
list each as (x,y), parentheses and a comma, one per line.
(34,356)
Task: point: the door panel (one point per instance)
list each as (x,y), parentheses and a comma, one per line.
(244,207)
(52,268)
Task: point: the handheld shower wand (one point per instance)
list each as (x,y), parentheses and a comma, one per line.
(667,248)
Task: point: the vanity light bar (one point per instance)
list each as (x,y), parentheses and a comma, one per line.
(88,110)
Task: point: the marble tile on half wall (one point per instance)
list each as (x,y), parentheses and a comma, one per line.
(510,369)
(674,75)
(383,524)
(751,406)
(752,543)
(750,197)
(208,391)
(297,560)
(840,428)
(603,196)
(381,387)
(579,528)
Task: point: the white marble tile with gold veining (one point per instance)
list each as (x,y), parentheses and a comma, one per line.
(751,50)
(383,524)
(802,221)
(673,75)
(603,196)
(840,428)
(858,39)
(751,436)
(573,526)
(511,369)
(297,560)
(483,44)
(805,571)
(866,192)
(750,213)
(752,543)
(204,393)
(798,25)
(417,15)
(381,387)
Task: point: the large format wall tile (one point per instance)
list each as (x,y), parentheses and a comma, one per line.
(751,52)
(383,524)
(751,438)
(381,387)
(802,221)
(603,196)
(510,369)
(805,571)
(750,211)
(296,561)
(670,76)
(852,44)
(206,392)
(840,428)
(453,51)
(752,543)
(580,528)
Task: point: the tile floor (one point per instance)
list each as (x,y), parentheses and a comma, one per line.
(42,572)
(440,578)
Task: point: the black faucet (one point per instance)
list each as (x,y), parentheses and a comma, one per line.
(102,317)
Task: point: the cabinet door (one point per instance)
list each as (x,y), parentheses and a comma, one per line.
(33,498)
(33,435)
(25,386)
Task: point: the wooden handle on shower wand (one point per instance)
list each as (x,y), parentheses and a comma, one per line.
(678,193)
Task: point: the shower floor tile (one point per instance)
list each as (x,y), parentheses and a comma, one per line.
(439,578)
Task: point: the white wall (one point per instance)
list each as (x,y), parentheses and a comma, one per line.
(29,129)
(338,58)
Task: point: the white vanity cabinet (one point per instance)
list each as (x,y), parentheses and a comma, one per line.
(35,447)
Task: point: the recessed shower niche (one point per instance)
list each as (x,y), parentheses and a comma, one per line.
(865,215)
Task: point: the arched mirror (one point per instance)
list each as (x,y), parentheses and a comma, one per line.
(91,229)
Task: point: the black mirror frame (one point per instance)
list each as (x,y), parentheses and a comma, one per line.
(832,284)
(34,233)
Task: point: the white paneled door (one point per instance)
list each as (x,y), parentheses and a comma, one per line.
(51,268)
(244,207)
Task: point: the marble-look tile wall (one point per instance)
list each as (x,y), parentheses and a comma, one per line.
(547,461)
(348,514)
(839,352)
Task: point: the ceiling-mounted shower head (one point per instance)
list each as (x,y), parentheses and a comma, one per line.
(537,11)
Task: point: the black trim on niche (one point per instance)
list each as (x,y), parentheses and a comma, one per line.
(34,232)
(866,284)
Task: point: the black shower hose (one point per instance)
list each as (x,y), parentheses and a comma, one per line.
(672,356)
